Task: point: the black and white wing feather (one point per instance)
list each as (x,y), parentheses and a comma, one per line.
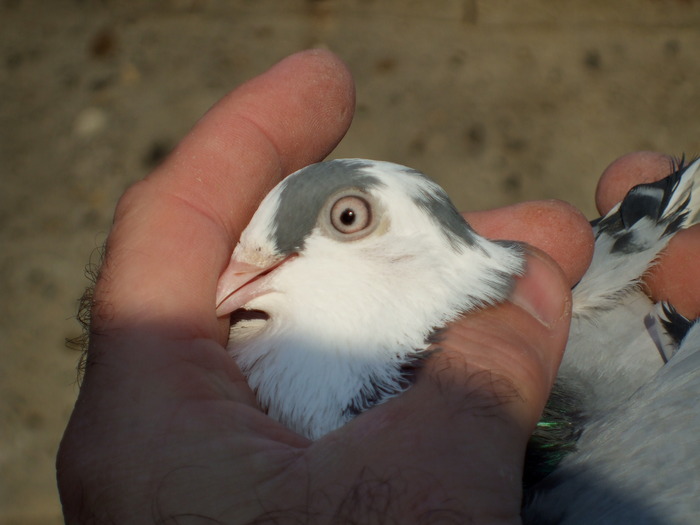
(631,236)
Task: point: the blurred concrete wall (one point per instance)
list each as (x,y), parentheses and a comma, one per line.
(499,100)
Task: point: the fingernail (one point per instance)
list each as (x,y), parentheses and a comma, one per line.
(542,291)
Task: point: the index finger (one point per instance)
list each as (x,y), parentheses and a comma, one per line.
(173,231)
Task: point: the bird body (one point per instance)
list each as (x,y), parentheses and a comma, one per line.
(349,266)
(637,463)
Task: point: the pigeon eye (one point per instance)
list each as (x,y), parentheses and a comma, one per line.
(351,214)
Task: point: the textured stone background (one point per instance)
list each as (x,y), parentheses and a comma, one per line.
(500,100)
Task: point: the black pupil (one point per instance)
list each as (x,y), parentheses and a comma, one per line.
(348,216)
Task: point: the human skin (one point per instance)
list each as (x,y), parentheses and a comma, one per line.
(165,428)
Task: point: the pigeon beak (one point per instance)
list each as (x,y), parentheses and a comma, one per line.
(242,282)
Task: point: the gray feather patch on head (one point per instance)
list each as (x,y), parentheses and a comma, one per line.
(438,205)
(304,194)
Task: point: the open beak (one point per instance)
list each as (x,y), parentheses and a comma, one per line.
(242,282)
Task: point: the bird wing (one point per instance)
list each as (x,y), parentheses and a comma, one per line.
(630,237)
(610,347)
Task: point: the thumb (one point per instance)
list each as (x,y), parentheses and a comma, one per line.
(465,423)
(521,342)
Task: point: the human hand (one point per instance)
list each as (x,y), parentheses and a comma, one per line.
(165,427)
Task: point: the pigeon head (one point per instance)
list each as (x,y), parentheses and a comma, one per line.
(353,264)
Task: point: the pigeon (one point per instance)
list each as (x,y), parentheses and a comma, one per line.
(349,268)
(345,272)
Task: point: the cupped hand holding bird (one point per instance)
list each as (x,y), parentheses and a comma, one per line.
(166,426)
